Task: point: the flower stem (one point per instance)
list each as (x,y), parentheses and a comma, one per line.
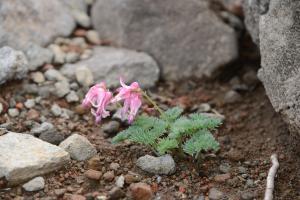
(152,102)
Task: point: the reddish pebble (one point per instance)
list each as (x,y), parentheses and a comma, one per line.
(19,105)
(109,176)
(93,174)
(141,191)
(221,178)
(33,115)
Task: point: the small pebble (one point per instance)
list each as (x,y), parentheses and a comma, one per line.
(215,194)
(13,112)
(111,127)
(56,110)
(35,184)
(109,176)
(1,108)
(93,37)
(38,77)
(120,181)
(116,193)
(72,97)
(232,97)
(93,174)
(141,191)
(114,166)
(29,103)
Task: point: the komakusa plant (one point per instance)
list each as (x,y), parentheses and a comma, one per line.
(170,132)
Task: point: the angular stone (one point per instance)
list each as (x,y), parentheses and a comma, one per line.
(23,157)
(186,38)
(108,64)
(13,64)
(79,147)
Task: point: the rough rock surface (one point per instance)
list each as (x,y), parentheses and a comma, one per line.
(78,147)
(253,9)
(25,22)
(108,64)
(37,56)
(23,157)
(13,64)
(163,165)
(280,60)
(186,38)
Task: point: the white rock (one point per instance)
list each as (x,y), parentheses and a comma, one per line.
(35,184)
(84,76)
(13,64)
(38,77)
(93,37)
(72,97)
(72,57)
(29,103)
(120,181)
(59,55)
(54,75)
(78,147)
(23,157)
(62,88)
(56,110)
(13,112)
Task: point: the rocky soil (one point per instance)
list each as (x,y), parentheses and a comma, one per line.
(251,133)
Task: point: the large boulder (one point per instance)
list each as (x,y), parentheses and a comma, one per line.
(13,64)
(33,21)
(279,33)
(275,27)
(185,37)
(108,64)
(23,157)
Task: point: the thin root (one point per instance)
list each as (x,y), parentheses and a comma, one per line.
(271,177)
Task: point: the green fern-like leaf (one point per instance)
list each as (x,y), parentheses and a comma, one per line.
(172,114)
(202,140)
(125,134)
(165,145)
(206,122)
(147,137)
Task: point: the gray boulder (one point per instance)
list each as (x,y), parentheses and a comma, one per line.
(13,64)
(108,64)
(279,33)
(23,22)
(185,37)
(23,157)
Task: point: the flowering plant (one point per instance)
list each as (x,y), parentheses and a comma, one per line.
(170,132)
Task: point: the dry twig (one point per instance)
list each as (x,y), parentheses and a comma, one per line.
(271,177)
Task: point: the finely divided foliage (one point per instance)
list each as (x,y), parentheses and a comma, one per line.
(172,131)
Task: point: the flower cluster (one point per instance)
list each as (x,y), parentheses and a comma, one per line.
(99,97)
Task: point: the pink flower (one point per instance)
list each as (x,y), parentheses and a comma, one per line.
(98,97)
(132,99)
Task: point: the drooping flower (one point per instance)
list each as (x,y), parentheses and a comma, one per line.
(98,97)
(132,99)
